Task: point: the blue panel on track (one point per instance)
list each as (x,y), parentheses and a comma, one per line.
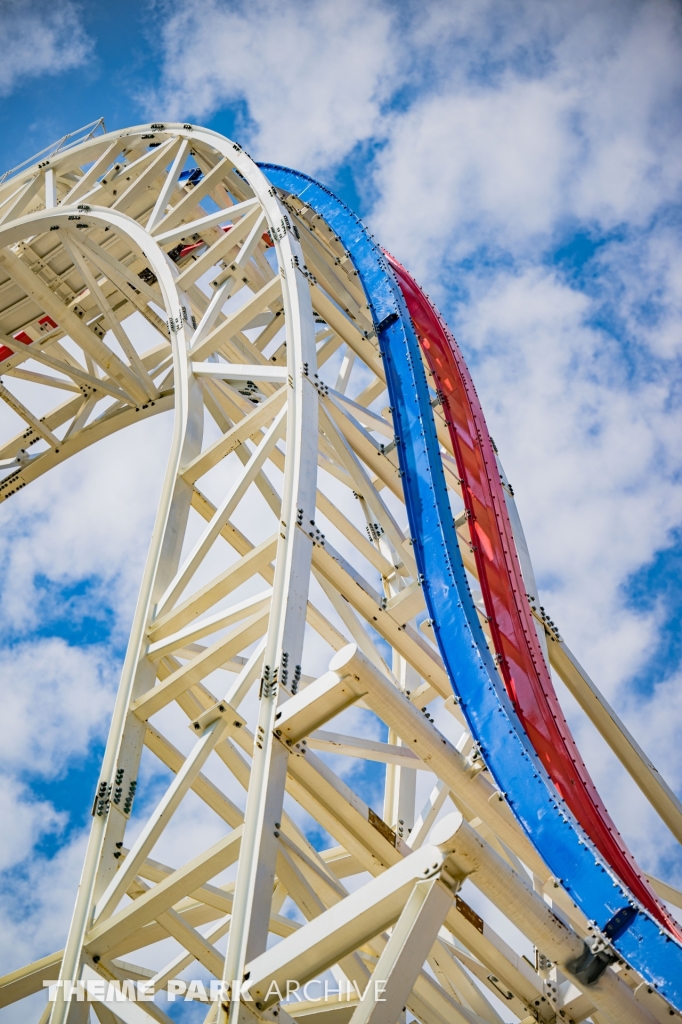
(545,818)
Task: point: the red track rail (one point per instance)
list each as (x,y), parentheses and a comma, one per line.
(519,655)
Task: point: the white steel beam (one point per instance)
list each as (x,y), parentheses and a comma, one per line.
(428,815)
(211,220)
(168,187)
(238,320)
(343,928)
(619,738)
(105,935)
(252,563)
(235,371)
(247,428)
(65,294)
(223,513)
(468,787)
(471,856)
(50,189)
(401,961)
(165,809)
(187,675)
(370,750)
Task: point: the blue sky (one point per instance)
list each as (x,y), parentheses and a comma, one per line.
(109,51)
(524,159)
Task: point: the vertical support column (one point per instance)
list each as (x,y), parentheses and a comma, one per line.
(284,645)
(401,783)
(50,189)
(427,815)
(126,732)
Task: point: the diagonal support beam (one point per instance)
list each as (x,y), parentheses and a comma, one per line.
(107,934)
(625,747)
(110,318)
(168,186)
(343,928)
(401,961)
(468,787)
(471,856)
(246,429)
(72,325)
(192,940)
(209,624)
(27,416)
(165,809)
(238,320)
(126,1011)
(250,564)
(221,247)
(211,220)
(223,513)
(194,671)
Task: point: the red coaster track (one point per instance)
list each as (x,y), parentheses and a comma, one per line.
(515,640)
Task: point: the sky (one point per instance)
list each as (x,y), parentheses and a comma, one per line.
(524,160)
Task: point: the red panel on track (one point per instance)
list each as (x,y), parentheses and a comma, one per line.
(519,655)
(23,337)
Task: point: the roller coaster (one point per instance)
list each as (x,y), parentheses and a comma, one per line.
(338,650)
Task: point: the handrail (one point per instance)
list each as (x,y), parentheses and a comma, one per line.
(57,147)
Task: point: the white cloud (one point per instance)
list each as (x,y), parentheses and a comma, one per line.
(312,74)
(554,119)
(31,820)
(90,517)
(594,462)
(39,41)
(56,691)
(505,149)
(515,124)
(646,270)
(37,899)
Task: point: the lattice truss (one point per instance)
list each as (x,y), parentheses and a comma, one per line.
(280,545)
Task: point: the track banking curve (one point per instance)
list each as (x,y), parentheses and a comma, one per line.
(520,659)
(565,819)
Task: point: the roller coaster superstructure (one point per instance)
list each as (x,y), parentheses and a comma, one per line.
(332,497)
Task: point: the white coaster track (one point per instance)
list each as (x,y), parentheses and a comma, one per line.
(281,531)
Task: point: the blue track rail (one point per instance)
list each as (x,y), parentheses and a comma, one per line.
(545,818)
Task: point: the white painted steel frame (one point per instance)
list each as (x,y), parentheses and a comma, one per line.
(123,217)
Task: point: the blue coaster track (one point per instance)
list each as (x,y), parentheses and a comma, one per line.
(544,816)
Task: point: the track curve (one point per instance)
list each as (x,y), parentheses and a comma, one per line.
(642,936)
(514,637)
